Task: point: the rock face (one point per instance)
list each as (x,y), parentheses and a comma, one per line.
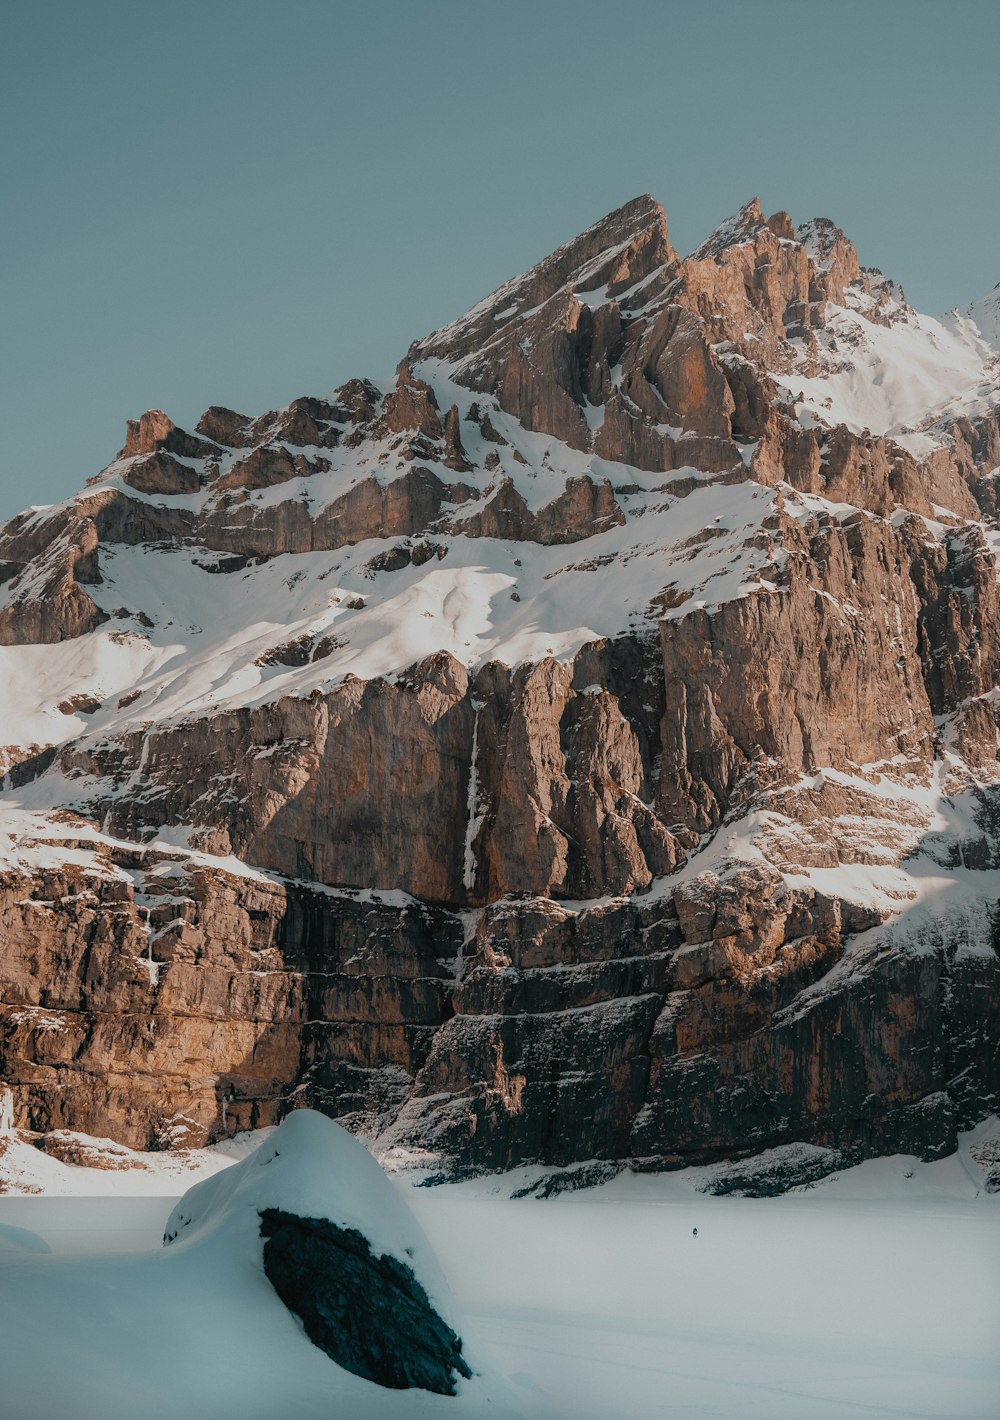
(585,748)
(121,975)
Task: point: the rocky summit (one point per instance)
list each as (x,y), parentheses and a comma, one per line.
(584,747)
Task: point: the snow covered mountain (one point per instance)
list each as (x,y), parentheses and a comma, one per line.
(585,746)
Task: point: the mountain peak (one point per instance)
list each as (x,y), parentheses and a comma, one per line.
(741,227)
(642,220)
(143,434)
(620,250)
(630,218)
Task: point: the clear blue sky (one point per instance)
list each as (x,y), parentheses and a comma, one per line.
(237,203)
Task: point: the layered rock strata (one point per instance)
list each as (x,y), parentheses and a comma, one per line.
(584,747)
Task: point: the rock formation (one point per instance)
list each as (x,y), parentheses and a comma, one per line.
(368,1313)
(584,748)
(341,1249)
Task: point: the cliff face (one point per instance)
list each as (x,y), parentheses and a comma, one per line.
(585,747)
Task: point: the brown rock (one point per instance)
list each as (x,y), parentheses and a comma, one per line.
(143,435)
(462,934)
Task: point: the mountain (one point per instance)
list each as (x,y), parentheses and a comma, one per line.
(583,747)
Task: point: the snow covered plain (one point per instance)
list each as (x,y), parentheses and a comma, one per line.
(875,1293)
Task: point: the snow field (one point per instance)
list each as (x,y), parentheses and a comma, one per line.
(873,1294)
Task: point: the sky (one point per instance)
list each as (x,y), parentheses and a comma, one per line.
(238,203)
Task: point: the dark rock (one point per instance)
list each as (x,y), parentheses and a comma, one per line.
(154,432)
(368,1313)
(160,472)
(775,1172)
(225,426)
(570,1180)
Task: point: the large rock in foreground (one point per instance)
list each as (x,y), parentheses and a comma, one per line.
(367,1312)
(343,1252)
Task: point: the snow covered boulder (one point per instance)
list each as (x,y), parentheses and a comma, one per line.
(341,1249)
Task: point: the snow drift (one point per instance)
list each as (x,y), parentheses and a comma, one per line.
(196,1329)
(343,1252)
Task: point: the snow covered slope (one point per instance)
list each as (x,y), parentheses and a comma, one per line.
(873,1292)
(215,642)
(196,1328)
(983,314)
(901,375)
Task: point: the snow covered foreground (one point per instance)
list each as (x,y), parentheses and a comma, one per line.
(873,1294)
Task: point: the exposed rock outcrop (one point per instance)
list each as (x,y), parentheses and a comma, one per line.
(368,1313)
